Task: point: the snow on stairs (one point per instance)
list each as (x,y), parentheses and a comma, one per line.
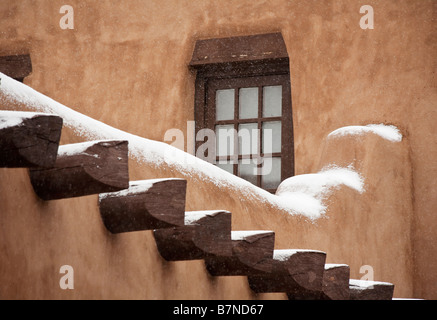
(370,290)
(299,273)
(28,139)
(203,234)
(207,235)
(31,140)
(101,167)
(83,169)
(251,253)
(145,205)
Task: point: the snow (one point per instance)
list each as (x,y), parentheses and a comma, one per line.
(366,284)
(193,216)
(390,133)
(308,191)
(135,187)
(299,195)
(14,118)
(334,265)
(77,148)
(285,254)
(242,235)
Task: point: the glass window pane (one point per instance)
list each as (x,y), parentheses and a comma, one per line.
(271,136)
(247,170)
(225,135)
(224,101)
(271,172)
(248,134)
(248,99)
(227,166)
(272,101)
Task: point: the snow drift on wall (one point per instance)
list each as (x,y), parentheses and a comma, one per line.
(390,133)
(308,191)
(302,194)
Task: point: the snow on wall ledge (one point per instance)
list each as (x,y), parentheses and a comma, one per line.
(307,192)
(302,194)
(390,133)
(13,118)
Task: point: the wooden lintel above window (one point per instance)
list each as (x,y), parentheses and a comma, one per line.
(249,50)
(16,66)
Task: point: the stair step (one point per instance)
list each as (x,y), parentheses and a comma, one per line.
(29,140)
(297,272)
(204,233)
(83,169)
(336,282)
(251,253)
(145,205)
(370,290)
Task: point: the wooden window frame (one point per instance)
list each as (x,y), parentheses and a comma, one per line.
(219,69)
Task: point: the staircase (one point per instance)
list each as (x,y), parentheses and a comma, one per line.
(30,140)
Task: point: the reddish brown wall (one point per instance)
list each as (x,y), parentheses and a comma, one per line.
(126,65)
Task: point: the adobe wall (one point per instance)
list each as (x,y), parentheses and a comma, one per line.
(126,65)
(372,228)
(37,238)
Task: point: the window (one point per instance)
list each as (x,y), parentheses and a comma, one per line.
(243,95)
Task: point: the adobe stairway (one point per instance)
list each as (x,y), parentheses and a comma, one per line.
(29,140)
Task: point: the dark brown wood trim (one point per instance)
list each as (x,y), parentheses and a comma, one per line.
(32,142)
(84,169)
(300,275)
(244,81)
(200,106)
(249,69)
(260,117)
(375,291)
(287,138)
(240,157)
(250,255)
(236,117)
(146,205)
(16,66)
(287,148)
(205,233)
(336,282)
(242,121)
(239,49)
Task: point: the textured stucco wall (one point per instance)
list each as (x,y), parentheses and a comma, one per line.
(125,63)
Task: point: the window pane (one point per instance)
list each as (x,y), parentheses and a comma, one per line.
(271,136)
(225,104)
(271,170)
(225,135)
(227,166)
(248,98)
(247,170)
(272,101)
(248,134)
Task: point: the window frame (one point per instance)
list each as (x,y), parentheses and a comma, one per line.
(252,58)
(259,82)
